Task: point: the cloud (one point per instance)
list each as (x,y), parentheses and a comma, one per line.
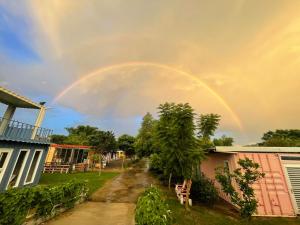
(246,51)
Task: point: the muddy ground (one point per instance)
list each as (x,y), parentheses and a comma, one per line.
(114,203)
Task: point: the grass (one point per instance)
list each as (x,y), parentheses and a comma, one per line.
(94,181)
(202,215)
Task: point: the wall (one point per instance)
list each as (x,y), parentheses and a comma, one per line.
(16,147)
(272,191)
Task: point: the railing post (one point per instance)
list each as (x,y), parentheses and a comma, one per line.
(6,118)
(38,121)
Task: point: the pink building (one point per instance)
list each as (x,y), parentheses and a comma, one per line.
(278,193)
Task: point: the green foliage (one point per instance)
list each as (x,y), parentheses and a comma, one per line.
(223,141)
(281,138)
(244,176)
(207,125)
(151,209)
(156,163)
(80,135)
(58,139)
(15,203)
(103,141)
(145,140)
(126,143)
(204,190)
(180,149)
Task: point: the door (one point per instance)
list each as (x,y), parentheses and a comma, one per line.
(18,168)
(4,159)
(293,175)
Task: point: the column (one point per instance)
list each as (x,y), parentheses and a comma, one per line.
(38,121)
(7,117)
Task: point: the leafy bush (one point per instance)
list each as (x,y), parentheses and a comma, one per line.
(244,176)
(203,190)
(151,209)
(15,203)
(156,163)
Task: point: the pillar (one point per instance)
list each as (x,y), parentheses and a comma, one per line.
(6,118)
(38,121)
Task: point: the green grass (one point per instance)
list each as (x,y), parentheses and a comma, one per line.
(94,181)
(202,215)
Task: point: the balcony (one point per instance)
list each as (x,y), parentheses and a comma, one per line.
(17,131)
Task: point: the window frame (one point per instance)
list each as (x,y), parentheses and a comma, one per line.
(21,169)
(36,167)
(9,151)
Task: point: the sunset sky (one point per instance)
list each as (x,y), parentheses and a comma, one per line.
(106,63)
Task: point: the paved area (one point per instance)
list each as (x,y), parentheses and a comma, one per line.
(113,204)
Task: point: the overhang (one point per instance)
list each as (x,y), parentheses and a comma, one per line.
(235,149)
(10,98)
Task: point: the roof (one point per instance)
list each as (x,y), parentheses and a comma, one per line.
(66,146)
(11,98)
(234,149)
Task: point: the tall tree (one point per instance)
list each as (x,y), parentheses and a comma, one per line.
(207,125)
(58,139)
(223,141)
(176,134)
(103,141)
(80,134)
(288,138)
(145,140)
(126,144)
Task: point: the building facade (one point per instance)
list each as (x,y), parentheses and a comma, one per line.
(278,193)
(23,147)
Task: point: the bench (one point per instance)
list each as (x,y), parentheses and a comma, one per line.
(56,168)
(181,191)
(82,167)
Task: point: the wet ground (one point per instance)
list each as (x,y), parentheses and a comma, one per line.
(114,203)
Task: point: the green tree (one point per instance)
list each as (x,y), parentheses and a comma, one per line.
(58,139)
(282,138)
(80,134)
(223,141)
(145,140)
(176,134)
(126,144)
(103,141)
(207,125)
(244,176)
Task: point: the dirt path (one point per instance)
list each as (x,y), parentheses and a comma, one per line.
(113,204)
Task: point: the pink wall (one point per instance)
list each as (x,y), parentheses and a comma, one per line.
(271,192)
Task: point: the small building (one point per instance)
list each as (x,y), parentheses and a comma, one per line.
(278,193)
(23,147)
(68,154)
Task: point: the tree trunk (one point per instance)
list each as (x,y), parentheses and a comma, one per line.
(188,188)
(170,178)
(100,163)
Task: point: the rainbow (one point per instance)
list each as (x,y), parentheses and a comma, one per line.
(197,81)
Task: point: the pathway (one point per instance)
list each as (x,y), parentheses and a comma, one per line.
(113,204)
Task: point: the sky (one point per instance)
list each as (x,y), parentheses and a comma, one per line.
(106,63)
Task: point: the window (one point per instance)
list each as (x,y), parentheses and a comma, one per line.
(33,166)
(4,158)
(18,169)
(226,165)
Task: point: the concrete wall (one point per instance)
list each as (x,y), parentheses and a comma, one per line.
(271,192)
(16,147)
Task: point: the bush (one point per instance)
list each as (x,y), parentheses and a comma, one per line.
(151,209)
(203,190)
(156,163)
(15,203)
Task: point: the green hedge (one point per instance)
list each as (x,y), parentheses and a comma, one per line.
(151,209)
(16,203)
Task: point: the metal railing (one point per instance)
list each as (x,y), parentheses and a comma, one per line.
(16,130)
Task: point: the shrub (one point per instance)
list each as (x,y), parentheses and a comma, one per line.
(156,163)
(151,209)
(15,203)
(244,176)
(203,190)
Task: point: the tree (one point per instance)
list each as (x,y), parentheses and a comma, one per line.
(145,140)
(179,146)
(58,139)
(126,144)
(223,141)
(281,138)
(80,135)
(244,176)
(207,125)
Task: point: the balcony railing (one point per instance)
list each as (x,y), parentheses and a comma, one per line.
(18,131)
